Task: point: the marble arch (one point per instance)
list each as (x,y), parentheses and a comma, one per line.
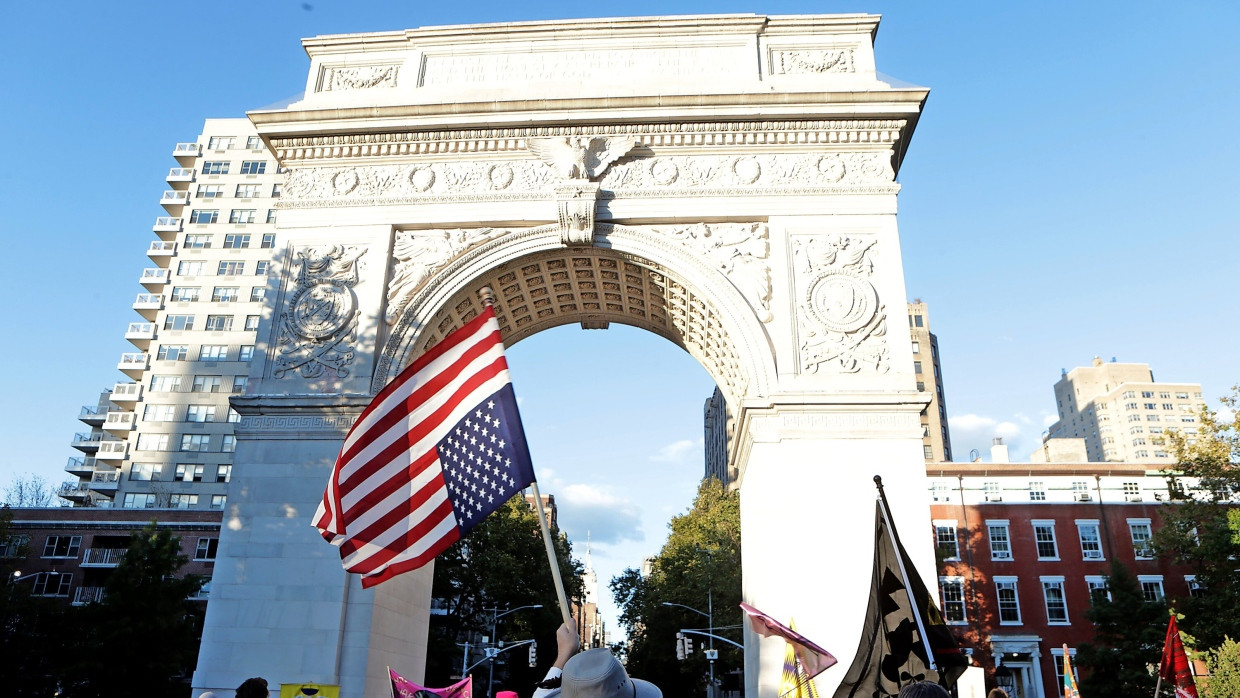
(727,182)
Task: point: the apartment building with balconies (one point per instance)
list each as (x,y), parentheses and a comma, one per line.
(165,437)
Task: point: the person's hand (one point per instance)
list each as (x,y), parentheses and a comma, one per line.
(567,642)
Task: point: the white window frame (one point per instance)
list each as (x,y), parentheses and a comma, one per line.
(1097,581)
(1055,582)
(1035,523)
(1143,579)
(1014,584)
(1141,552)
(939,525)
(1081,525)
(958,583)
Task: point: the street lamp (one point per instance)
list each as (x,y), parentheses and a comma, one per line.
(495,616)
(17,575)
(710,620)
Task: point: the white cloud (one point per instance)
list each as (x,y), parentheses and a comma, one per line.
(675,452)
(970,422)
(1048,420)
(1007,430)
(607,518)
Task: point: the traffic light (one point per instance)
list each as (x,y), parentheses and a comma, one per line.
(533,654)
(688,645)
(680,646)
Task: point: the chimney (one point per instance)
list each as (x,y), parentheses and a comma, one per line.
(998,451)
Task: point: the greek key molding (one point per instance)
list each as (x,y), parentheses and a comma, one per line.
(288,426)
(841,322)
(876,132)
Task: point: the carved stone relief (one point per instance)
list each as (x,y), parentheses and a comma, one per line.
(841,322)
(319,319)
(814,61)
(739,250)
(768,170)
(419,254)
(361,77)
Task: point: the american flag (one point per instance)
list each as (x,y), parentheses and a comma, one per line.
(436,451)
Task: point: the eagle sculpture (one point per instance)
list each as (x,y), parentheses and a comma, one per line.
(581,157)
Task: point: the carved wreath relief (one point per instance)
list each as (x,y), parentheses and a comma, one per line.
(842,325)
(320,317)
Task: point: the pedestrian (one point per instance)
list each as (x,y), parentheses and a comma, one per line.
(997,693)
(594,673)
(253,688)
(923,689)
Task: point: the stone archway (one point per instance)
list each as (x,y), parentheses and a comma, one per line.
(741,205)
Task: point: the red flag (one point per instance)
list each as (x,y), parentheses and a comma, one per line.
(1175,669)
(435,452)
(813,658)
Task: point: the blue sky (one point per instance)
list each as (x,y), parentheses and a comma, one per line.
(1069,192)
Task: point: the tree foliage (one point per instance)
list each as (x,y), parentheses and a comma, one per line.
(502,564)
(1128,639)
(1201,525)
(700,565)
(1224,664)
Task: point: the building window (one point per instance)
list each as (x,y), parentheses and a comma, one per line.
(210,191)
(1044,535)
(238,385)
(277,190)
(254,143)
(236,241)
(260,268)
(241,215)
(1132,491)
(189,472)
(234,417)
(221,142)
(927,451)
(224,294)
(1009,601)
(197,241)
(213,352)
(183,501)
(159,413)
(916,367)
(1195,589)
(939,492)
(1037,492)
(1080,491)
(207,384)
(52,584)
(185,294)
(139,501)
(253,167)
(223,473)
(172,352)
(945,538)
(202,215)
(953,599)
(1141,534)
(231,268)
(991,491)
(1056,604)
(215,167)
(1098,588)
(1057,660)
(200,413)
(246,353)
(916,347)
(178,322)
(147,442)
(165,384)
(251,322)
(206,550)
(218,501)
(229,444)
(1151,586)
(62,546)
(271,215)
(219,323)
(921,386)
(248,191)
(268,242)
(191,269)
(195,442)
(257,293)
(1000,540)
(13,546)
(1091,542)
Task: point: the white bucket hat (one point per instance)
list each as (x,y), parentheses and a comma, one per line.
(597,674)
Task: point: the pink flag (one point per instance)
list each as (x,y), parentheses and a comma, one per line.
(813,658)
(404,688)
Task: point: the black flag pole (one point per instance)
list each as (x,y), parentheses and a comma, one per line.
(895,538)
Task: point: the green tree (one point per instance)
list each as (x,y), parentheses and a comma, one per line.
(1224,664)
(32,629)
(1128,639)
(1201,524)
(502,563)
(142,638)
(699,565)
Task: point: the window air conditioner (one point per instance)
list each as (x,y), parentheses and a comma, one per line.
(1082,496)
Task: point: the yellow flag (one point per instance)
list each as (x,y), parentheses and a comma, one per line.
(794,683)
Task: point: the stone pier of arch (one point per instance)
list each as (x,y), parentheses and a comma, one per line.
(726,182)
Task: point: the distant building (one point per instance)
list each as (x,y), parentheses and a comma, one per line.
(1122,413)
(68,552)
(936,440)
(718,428)
(590,625)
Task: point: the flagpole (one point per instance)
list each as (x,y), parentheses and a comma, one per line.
(895,538)
(488,298)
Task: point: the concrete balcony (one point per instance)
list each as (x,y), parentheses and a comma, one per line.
(140,334)
(80,467)
(93,415)
(134,364)
(148,305)
(167,224)
(126,392)
(120,423)
(186,152)
(103,557)
(173,201)
(87,443)
(79,492)
(180,177)
(104,483)
(112,450)
(87,595)
(154,277)
(161,250)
